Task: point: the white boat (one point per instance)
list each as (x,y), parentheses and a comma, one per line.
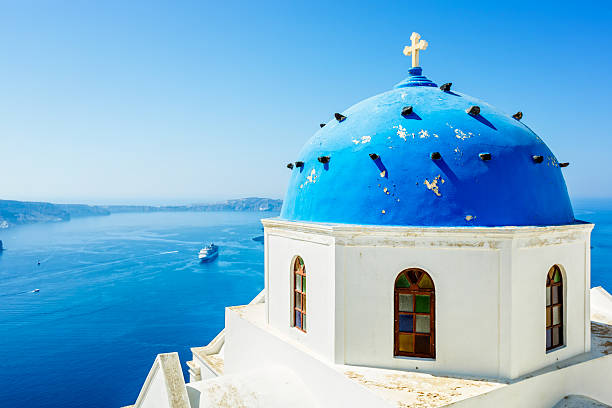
(208,253)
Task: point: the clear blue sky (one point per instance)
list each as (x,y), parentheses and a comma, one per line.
(177,101)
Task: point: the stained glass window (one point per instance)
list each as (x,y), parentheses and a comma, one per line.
(422,344)
(406,323)
(402,282)
(422,324)
(406,343)
(299,294)
(554,308)
(422,303)
(406,303)
(414,314)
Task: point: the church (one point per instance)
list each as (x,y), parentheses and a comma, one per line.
(426,255)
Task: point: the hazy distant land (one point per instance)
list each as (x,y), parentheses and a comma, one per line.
(26,212)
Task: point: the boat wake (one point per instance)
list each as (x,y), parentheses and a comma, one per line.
(15,293)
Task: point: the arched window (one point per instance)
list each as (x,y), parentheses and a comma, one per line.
(414,314)
(299,294)
(554,308)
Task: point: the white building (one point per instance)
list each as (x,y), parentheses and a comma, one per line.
(426,255)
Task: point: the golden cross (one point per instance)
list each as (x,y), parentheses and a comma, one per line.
(415,48)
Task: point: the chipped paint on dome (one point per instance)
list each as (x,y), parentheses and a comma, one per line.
(508,189)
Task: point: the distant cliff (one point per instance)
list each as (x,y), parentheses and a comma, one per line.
(25,212)
(241,204)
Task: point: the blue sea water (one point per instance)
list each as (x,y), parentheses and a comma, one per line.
(115,291)
(598,212)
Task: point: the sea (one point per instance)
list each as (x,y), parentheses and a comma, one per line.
(114,291)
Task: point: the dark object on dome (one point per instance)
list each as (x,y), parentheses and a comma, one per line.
(481,186)
(537,159)
(323,159)
(299,164)
(407,111)
(374,156)
(339,117)
(290,166)
(485,156)
(518,115)
(322,124)
(564,164)
(446,87)
(435,156)
(473,110)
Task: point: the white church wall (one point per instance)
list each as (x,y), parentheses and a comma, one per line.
(490,292)
(531,262)
(318,255)
(466,307)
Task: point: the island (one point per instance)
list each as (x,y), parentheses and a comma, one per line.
(27,212)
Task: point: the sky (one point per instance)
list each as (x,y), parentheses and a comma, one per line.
(167,102)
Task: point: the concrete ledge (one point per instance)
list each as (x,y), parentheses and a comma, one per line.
(164,386)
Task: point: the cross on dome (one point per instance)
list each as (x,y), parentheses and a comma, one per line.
(415,48)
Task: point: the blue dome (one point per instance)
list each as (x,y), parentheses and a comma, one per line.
(428,167)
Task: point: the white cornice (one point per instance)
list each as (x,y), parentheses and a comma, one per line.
(475,237)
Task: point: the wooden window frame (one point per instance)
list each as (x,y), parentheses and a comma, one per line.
(550,283)
(415,290)
(301,272)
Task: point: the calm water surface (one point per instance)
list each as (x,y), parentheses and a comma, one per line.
(116,291)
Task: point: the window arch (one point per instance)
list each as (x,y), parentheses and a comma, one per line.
(299,294)
(414,333)
(554,308)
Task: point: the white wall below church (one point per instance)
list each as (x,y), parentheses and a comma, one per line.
(252,347)
(590,378)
